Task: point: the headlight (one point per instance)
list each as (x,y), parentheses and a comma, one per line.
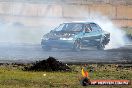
(66,38)
(70,38)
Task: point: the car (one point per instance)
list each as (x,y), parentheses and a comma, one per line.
(76,36)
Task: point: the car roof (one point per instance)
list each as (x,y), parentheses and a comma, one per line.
(79,22)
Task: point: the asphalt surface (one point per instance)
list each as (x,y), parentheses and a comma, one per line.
(32,52)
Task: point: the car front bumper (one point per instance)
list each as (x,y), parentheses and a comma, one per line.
(58,43)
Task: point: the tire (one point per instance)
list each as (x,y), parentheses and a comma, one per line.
(77,45)
(106,41)
(101,46)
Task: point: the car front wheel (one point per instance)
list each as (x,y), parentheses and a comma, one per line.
(46,48)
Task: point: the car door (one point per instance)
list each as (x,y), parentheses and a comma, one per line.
(92,34)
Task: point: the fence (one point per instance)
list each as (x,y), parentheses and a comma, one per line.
(120,13)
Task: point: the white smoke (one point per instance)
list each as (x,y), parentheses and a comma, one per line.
(21,33)
(15,33)
(117,36)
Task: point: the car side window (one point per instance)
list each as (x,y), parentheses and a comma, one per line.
(73,27)
(59,28)
(87,28)
(95,27)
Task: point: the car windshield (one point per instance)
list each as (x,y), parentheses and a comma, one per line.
(70,27)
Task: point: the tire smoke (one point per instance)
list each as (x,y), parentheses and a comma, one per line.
(117,35)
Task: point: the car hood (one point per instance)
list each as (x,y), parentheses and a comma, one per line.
(57,35)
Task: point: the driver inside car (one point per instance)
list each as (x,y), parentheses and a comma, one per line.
(87,29)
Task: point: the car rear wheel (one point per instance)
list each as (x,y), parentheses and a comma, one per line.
(101,46)
(77,45)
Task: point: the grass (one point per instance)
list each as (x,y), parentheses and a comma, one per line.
(15,77)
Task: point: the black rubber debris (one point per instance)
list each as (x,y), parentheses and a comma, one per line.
(51,64)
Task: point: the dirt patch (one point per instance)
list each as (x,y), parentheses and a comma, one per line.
(50,64)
